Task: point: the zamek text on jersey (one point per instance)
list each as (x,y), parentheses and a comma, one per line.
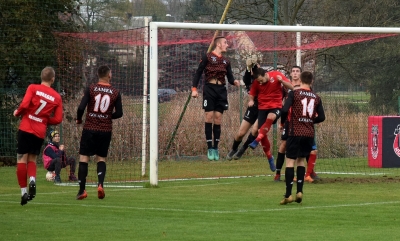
(308,94)
(106,90)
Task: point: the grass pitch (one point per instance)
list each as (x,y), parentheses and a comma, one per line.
(216,209)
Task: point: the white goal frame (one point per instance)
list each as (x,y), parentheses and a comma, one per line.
(154,26)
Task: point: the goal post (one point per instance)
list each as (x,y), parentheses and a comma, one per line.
(154,64)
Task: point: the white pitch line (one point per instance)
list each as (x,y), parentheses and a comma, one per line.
(287,208)
(120,188)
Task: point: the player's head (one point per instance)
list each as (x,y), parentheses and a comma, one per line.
(48,75)
(260,75)
(295,73)
(221,43)
(104,72)
(54,136)
(306,77)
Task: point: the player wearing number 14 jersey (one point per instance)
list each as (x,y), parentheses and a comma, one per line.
(307,110)
(103,104)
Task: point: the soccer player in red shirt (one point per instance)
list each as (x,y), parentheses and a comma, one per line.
(215,95)
(306,110)
(268,89)
(100,99)
(41,106)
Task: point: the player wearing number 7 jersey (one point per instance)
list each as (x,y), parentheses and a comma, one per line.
(101,99)
(41,106)
(307,110)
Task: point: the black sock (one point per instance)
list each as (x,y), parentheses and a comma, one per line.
(217,134)
(289,175)
(82,174)
(236,144)
(208,130)
(279,162)
(301,171)
(249,140)
(101,172)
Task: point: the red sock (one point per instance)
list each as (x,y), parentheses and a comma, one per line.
(21,175)
(311,164)
(31,169)
(266,146)
(264,129)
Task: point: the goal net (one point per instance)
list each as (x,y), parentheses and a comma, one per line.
(161,135)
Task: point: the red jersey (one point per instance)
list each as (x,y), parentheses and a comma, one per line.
(270,93)
(37,107)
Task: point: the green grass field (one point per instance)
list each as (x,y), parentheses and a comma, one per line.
(215,209)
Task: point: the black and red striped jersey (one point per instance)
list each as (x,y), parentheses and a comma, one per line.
(306,110)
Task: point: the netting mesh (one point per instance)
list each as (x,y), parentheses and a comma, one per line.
(344,67)
(342,138)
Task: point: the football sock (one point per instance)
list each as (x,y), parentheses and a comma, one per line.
(101,172)
(21,175)
(289,174)
(217,135)
(264,129)
(23,191)
(208,128)
(279,162)
(31,169)
(310,164)
(249,140)
(82,173)
(266,146)
(236,144)
(300,178)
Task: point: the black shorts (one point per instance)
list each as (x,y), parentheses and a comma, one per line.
(262,116)
(94,143)
(215,98)
(28,143)
(251,114)
(298,146)
(285,131)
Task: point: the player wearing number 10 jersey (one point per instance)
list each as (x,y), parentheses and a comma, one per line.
(41,106)
(307,110)
(100,99)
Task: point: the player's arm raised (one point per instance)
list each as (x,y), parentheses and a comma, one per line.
(285,81)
